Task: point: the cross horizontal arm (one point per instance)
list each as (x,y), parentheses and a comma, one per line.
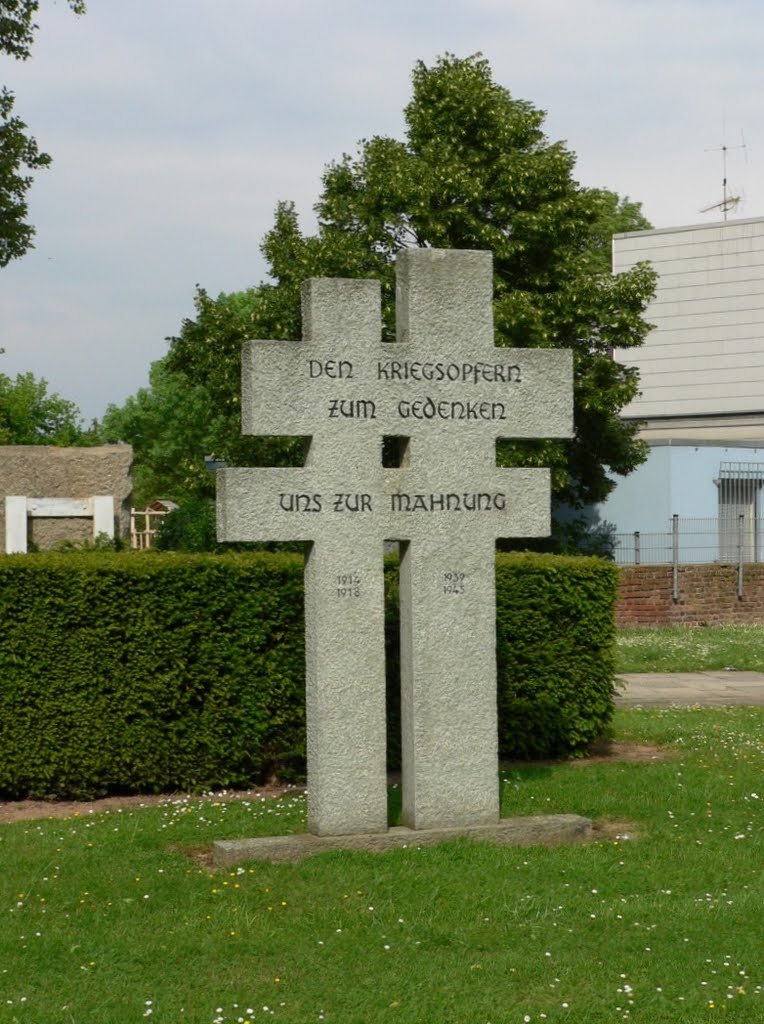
(395,504)
(298,389)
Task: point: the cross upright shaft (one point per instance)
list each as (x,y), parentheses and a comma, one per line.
(447,576)
(290,388)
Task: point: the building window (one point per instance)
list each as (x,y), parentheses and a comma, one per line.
(739,487)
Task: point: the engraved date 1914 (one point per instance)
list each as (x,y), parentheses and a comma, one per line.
(348,584)
(453,582)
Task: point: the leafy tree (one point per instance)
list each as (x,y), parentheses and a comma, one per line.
(191,409)
(207,353)
(475,171)
(190,527)
(29,415)
(19,152)
(167,424)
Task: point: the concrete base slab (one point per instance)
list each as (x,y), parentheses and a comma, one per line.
(536,830)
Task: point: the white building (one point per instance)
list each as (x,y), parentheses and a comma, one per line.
(702,385)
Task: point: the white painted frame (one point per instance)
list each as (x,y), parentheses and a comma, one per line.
(19,508)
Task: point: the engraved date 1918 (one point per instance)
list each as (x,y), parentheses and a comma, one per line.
(453,582)
(348,584)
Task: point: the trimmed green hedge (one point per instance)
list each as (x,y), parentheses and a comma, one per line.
(555,650)
(154,672)
(148,672)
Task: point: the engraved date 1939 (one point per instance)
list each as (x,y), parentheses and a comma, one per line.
(348,584)
(453,582)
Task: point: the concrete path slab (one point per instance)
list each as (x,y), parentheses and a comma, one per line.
(713,689)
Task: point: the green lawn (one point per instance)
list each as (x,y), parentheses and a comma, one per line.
(105,922)
(688,649)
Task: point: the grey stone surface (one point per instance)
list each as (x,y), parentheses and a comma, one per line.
(344,595)
(447,394)
(447,584)
(538,830)
(41,471)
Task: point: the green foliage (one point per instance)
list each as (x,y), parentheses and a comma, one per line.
(392,664)
(570,535)
(208,348)
(19,153)
(691,649)
(153,672)
(103,542)
(19,157)
(476,172)
(146,673)
(654,921)
(190,527)
(29,415)
(168,425)
(555,637)
(192,408)
(206,355)
(17,25)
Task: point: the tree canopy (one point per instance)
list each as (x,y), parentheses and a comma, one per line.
(474,171)
(29,415)
(191,408)
(20,155)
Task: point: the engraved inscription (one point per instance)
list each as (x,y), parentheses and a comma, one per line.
(334,369)
(429,409)
(463,373)
(348,584)
(300,502)
(352,409)
(289,502)
(352,503)
(471,502)
(453,582)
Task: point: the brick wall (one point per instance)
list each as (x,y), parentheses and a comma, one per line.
(707,596)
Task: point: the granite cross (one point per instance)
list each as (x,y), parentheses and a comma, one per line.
(446,393)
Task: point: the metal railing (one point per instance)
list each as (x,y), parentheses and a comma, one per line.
(724,540)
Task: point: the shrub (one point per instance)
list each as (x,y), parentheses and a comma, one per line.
(555,648)
(153,672)
(190,527)
(148,672)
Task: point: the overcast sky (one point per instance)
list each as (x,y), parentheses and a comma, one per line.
(177,125)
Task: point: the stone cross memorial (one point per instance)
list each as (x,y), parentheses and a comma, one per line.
(444,393)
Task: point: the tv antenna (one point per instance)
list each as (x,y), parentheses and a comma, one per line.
(730,200)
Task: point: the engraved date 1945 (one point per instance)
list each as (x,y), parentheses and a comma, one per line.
(453,582)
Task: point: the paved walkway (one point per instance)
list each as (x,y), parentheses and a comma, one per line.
(662,689)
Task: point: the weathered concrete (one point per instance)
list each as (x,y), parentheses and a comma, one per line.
(288,388)
(447,584)
(98,509)
(537,830)
(723,688)
(41,471)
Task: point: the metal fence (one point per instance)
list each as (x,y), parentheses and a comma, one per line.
(724,540)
